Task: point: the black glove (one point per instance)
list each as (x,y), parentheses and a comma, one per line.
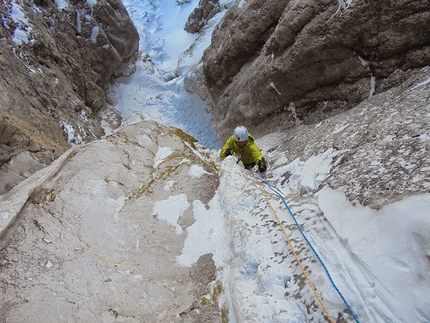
(262,165)
(229,152)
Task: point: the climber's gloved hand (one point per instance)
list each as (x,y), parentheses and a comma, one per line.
(229,152)
(262,165)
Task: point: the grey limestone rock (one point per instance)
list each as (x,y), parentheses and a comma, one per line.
(201,14)
(292,62)
(56,62)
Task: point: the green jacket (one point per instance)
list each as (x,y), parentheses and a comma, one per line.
(250,154)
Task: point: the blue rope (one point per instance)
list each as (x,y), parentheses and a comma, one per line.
(319,258)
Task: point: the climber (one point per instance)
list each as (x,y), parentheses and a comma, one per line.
(242,144)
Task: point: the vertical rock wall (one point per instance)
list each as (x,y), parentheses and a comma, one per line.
(273,65)
(56,61)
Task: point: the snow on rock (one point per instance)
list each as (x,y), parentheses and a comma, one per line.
(140,216)
(306,176)
(262,279)
(98,253)
(197,171)
(156,90)
(366,213)
(170,210)
(161,154)
(206,235)
(131,227)
(392,244)
(256,270)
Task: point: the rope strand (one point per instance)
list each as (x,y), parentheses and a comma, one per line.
(297,257)
(260,181)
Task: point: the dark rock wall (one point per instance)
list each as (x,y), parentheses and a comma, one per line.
(55,65)
(276,64)
(201,14)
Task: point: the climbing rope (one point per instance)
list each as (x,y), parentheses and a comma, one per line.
(295,255)
(261,181)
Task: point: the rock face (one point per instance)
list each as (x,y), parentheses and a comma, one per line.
(381,145)
(275,64)
(201,14)
(55,65)
(89,244)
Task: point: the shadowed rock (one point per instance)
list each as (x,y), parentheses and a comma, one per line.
(56,64)
(277,64)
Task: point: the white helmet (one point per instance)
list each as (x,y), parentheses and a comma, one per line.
(240,133)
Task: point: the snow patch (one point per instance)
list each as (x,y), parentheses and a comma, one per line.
(393,243)
(170,210)
(61,4)
(94,34)
(72,138)
(197,171)
(306,176)
(161,154)
(206,235)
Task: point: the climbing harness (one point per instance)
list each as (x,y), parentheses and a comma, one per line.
(262,182)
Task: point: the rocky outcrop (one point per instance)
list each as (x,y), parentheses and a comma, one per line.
(380,146)
(273,65)
(57,60)
(98,244)
(201,14)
